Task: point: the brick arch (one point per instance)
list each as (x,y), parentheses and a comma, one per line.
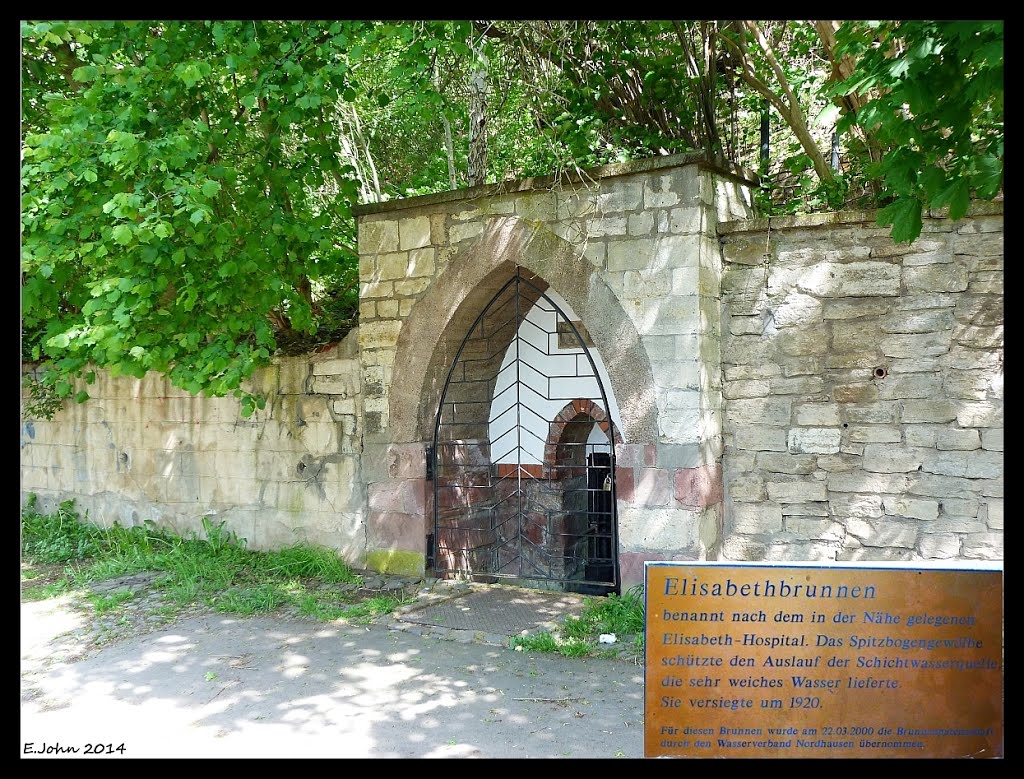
(558,427)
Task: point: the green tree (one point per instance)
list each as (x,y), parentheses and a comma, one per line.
(930,95)
(187,186)
(183,195)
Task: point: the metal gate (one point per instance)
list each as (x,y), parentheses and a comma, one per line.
(523,458)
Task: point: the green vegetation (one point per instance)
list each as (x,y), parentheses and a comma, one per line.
(44,591)
(622,615)
(105,603)
(216,571)
(187,186)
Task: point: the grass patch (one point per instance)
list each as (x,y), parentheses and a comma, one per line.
(536,642)
(368,610)
(45,591)
(622,615)
(308,562)
(212,568)
(619,614)
(105,603)
(247,601)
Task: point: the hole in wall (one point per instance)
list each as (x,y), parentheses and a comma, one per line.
(880,372)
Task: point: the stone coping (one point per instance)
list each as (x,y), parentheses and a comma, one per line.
(977,208)
(576,177)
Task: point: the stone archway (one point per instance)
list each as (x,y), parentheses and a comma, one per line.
(399,488)
(470,280)
(502,509)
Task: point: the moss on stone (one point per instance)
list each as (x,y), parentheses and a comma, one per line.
(396,561)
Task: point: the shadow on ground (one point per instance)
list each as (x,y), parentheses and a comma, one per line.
(221,686)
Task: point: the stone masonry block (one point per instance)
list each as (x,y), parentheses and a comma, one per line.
(378,237)
(885,458)
(936,278)
(754,519)
(699,487)
(814,440)
(852,279)
(914,508)
(796,491)
(652,487)
(620,195)
(414,232)
(759,411)
(759,438)
(634,254)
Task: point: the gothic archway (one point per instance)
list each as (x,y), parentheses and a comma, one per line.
(522,491)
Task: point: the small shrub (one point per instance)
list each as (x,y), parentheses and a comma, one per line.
(59,537)
(536,642)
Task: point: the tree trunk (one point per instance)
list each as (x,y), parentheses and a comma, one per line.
(478,119)
(449,148)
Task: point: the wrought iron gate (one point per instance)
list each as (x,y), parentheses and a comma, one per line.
(523,458)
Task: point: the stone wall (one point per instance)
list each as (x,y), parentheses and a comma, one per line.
(795,390)
(632,249)
(141,450)
(864,389)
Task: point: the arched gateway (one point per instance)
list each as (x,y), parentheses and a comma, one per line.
(522,456)
(524,347)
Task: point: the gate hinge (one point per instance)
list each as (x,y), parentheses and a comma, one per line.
(430,462)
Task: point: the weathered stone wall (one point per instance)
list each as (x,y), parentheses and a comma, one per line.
(632,249)
(141,449)
(864,389)
(798,390)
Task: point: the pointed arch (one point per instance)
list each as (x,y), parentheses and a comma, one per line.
(472,277)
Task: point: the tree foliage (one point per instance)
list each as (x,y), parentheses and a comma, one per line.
(935,105)
(187,186)
(182,192)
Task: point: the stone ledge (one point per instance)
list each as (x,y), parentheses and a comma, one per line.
(977,208)
(569,177)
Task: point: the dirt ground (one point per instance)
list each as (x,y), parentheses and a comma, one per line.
(204,684)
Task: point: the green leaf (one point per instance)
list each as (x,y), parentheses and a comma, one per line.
(85,73)
(197,216)
(81,396)
(989,178)
(904,214)
(211,187)
(956,194)
(122,233)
